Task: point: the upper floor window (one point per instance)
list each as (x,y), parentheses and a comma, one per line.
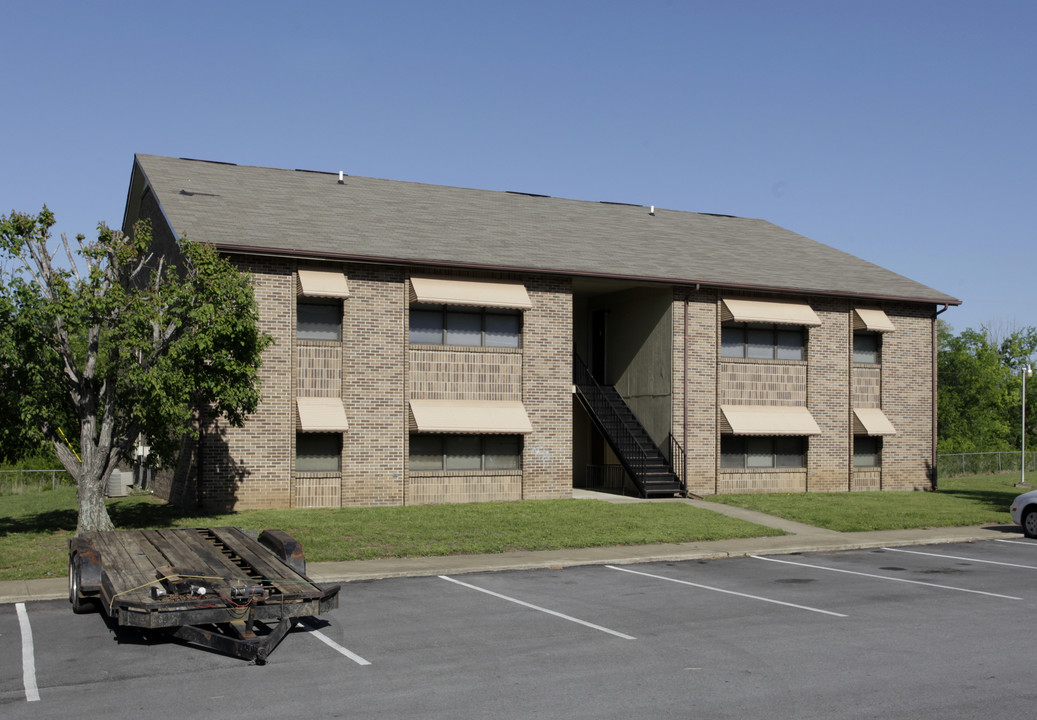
(762,341)
(473,327)
(317,320)
(867,347)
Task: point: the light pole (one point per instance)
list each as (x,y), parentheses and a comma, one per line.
(1027,371)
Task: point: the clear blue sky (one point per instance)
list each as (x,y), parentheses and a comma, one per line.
(902,132)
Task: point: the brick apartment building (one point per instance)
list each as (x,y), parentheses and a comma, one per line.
(437,344)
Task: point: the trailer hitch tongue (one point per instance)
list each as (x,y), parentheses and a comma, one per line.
(249,647)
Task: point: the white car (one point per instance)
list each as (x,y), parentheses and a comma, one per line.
(1024,512)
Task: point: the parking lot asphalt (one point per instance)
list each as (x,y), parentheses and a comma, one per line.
(868,634)
(799,539)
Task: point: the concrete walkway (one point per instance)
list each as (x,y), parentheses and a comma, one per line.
(800,539)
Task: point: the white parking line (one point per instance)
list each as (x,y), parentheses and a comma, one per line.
(334,645)
(32,692)
(728,592)
(1018,542)
(886,577)
(541,609)
(955,557)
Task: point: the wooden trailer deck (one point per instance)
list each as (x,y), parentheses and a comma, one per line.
(206,585)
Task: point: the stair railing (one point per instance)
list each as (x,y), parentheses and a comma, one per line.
(677,462)
(607,416)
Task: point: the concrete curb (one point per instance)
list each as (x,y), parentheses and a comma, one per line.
(809,541)
(628,555)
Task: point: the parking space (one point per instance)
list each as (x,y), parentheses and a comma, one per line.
(892,632)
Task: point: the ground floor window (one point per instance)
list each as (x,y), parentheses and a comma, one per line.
(867,451)
(318,452)
(750,452)
(465,452)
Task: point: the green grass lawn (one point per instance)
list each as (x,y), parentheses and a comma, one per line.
(974,500)
(35,527)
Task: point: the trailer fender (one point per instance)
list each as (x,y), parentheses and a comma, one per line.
(285,547)
(89,564)
(84,574)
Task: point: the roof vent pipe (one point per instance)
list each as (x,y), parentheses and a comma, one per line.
(341,178)
(652,210)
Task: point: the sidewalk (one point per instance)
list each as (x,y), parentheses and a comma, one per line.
(800,539)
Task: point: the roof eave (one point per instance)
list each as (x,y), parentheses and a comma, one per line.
(238,249)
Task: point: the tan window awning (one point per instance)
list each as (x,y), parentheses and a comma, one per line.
(873,320)
(323,283)
(872,421)
(767,311)
(767,420)
(321,414)
(438,291)
(469,416)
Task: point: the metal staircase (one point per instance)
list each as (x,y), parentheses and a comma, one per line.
(651,470)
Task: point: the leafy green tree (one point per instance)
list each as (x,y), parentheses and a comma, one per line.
(132,344)
(980,390)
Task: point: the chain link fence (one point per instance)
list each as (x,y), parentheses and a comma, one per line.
(987,463)
(121,482)
(949,465)
(13,482)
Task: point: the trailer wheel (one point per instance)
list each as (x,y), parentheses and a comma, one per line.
(80,604)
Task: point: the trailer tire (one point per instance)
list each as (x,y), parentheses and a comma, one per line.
(80,605)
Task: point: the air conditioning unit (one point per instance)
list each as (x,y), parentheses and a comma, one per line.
(119,483)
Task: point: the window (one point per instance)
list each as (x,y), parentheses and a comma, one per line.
(318,452)
(747,451)
(762,342)
(866,347)
(867,451)
(461,326)
(317,320)
(465,452)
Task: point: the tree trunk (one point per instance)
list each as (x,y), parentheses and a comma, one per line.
(91,491)
(93,513)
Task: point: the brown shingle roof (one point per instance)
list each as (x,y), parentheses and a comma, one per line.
(257,209)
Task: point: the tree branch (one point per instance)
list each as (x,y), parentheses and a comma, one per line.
(71,258)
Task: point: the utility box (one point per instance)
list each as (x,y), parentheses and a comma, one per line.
(119,483)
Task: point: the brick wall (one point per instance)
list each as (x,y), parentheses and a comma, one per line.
(760,481)
(695,385)
(539,374)
(907,387)
(828,383)
(769,382)
(867,386)
(250,467)
(374,365)
(431,489)
(452,373)
(318,369)
(375,373)
(547,389)
(828,397)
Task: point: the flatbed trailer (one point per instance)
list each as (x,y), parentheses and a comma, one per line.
(214,587)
